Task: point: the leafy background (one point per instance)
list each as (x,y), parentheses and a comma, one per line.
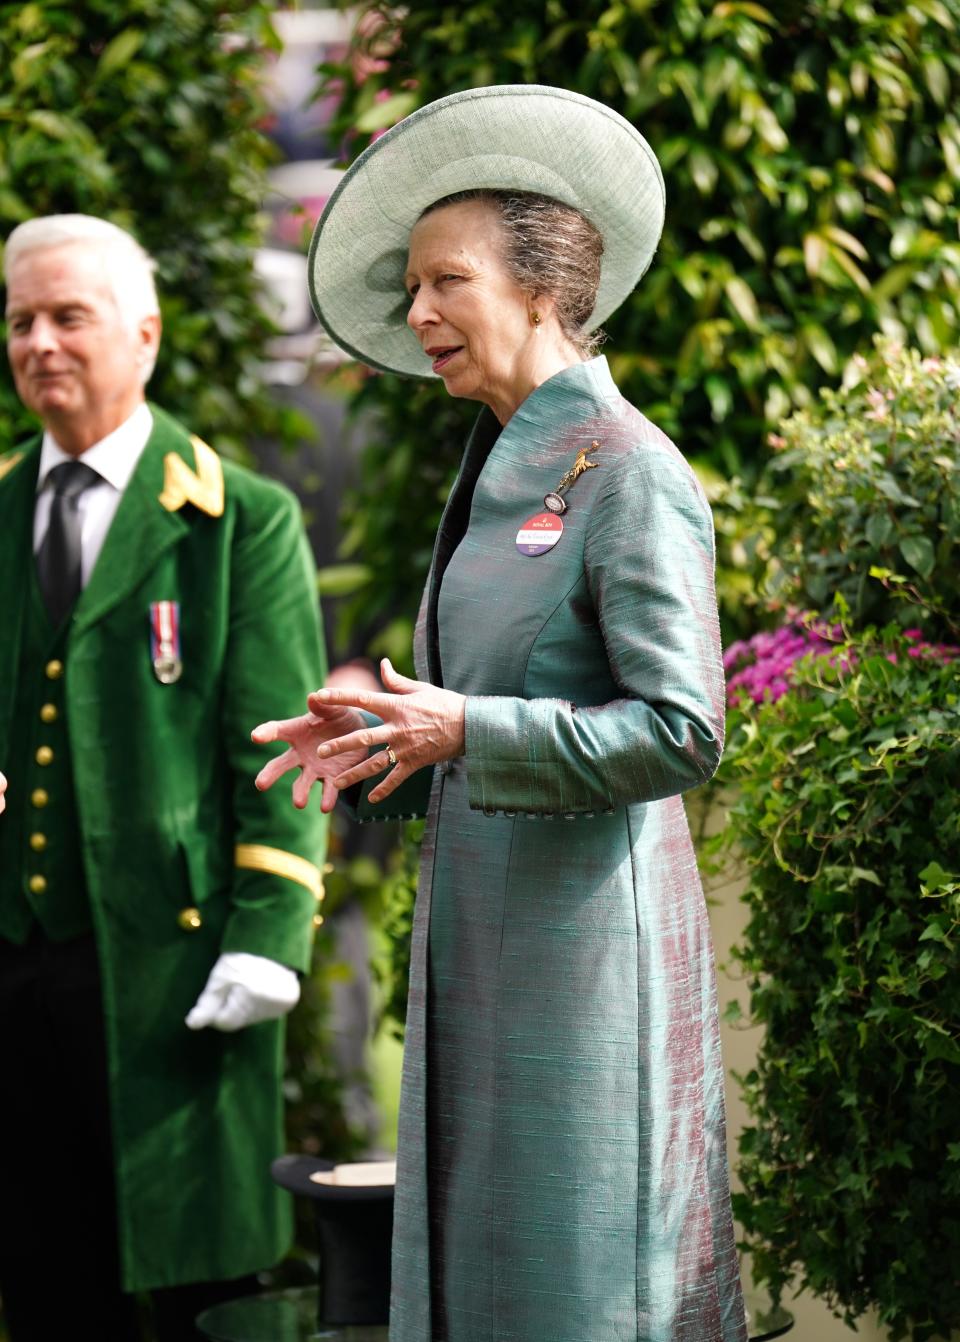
(146,112)
(812,158)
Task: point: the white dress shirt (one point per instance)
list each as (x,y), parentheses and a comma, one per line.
(114,459)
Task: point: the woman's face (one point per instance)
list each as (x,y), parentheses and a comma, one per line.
(468,314)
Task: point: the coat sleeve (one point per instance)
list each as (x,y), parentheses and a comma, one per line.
(649,565)
(274,658)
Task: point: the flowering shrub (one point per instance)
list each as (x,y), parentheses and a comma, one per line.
(846,814)
(759,668)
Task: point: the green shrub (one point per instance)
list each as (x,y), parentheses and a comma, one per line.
(846,815)
(869,479)
(146,112)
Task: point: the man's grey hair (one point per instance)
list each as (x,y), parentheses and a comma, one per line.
(129,268)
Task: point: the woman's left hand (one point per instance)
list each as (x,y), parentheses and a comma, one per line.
(421,725)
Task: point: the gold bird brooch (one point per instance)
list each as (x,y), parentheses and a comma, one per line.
(555,500)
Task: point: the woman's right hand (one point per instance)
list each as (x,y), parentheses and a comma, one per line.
(302,736)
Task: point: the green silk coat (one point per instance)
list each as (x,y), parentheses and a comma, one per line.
(183,859)
(562,1167)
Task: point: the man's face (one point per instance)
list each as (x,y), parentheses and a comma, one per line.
(76,363)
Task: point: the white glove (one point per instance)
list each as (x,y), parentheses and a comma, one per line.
(243,989)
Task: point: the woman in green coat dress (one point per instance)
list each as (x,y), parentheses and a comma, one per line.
(562,1169)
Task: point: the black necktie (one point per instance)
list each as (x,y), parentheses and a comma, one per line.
(58,559)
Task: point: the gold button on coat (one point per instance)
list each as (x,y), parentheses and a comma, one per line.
(48,713)
(318,920)
(38,842)
(39,797)
(189,919)
(38,884)
(53,670)
(44,755)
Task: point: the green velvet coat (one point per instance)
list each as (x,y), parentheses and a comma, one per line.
(562,1172)
(183,859)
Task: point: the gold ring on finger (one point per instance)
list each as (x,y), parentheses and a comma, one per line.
(391,756)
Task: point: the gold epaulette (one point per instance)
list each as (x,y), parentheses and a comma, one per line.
(8,462)
(203,488)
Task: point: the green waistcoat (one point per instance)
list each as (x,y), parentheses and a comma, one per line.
(41,870)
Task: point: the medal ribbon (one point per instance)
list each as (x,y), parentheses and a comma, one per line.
(165,630)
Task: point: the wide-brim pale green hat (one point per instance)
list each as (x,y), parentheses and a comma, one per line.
(522,137)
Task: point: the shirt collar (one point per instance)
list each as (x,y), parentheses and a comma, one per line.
(114,457)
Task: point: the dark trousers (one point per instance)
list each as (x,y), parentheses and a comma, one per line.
(59,1261)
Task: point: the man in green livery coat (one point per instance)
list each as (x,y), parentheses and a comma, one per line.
(154,910)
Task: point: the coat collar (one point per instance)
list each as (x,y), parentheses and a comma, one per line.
(580,393)
(142,529)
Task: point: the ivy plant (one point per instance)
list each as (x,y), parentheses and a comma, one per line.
(845,813)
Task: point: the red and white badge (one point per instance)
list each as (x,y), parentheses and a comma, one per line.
(539,534)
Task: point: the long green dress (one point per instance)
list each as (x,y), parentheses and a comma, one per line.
(562,1159)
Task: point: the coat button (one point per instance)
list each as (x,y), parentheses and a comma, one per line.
(38,884)
(318,920)
(44,755)
(38,842)
(48,713)
(53,670)
(189,919)
(39,797)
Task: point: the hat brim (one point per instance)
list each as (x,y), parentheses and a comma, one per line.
(521,137)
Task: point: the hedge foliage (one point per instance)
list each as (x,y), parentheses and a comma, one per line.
(868,480)
(812,159)
(146,112)
(846,815)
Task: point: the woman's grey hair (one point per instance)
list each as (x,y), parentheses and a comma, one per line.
(128,267)
(550,248)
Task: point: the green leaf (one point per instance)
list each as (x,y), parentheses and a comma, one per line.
(343,579)
(119,52)
(934,933)
(879,529)
(934,876)
(821,347)
(742,300)
(387,113)
(703,170)
(919,553)
(937,78)
(54,124)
